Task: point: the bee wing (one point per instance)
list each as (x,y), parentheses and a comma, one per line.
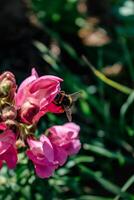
(68,112)
(75,96)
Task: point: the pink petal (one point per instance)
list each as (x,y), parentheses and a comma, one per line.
(34,73)
(67,131)
(45,82)
(22,90)
(57,131)
(60,155)
(11,157)
(65,137)
(44,171)
(54,108)
(72,126)
(34,143)
(45,89)
(37,158)
(7,139)
(73,147)
(2,126)
(1,164)
(48,148)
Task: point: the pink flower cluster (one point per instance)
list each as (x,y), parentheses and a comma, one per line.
(21,110)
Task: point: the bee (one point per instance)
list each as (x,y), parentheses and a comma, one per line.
(66,101)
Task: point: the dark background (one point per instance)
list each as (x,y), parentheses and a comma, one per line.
(52,36)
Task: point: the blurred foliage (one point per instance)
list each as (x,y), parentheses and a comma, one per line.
(104,168)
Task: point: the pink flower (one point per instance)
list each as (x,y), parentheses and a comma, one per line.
(8,152)
(50,152)
(36,93)
(65,141)
(42,155)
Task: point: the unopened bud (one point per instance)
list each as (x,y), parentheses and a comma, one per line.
(20,143)
(7,85)
(7,75)
(8,112)
(13,125)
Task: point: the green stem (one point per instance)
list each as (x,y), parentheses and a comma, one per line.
(102,77)
(129,182)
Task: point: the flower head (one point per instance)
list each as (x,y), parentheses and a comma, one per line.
(42,155)
(38,93)
(65,141)
(19,113)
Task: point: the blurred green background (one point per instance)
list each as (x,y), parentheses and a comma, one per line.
(52,36)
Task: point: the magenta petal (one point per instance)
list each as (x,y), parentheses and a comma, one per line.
(8,151)
(37,158)
(3,126)
(73,147)
(42,155)
(45,82)
(73,129)
(34,144)
(7,139)
(47,148)
(60,155)
(44,171)
(72,126)
(1,164)
(42,89)
(39,115)
(68,130)
(65,141)
(40,152)
(23,92)
(54,108)
(34,73)
(11,157)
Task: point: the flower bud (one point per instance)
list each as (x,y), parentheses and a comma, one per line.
(12,125)
(8,112)
(20,143)
(7,85)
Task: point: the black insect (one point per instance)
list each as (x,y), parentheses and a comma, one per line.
(66,101)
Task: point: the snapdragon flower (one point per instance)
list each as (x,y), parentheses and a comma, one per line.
(20,111)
